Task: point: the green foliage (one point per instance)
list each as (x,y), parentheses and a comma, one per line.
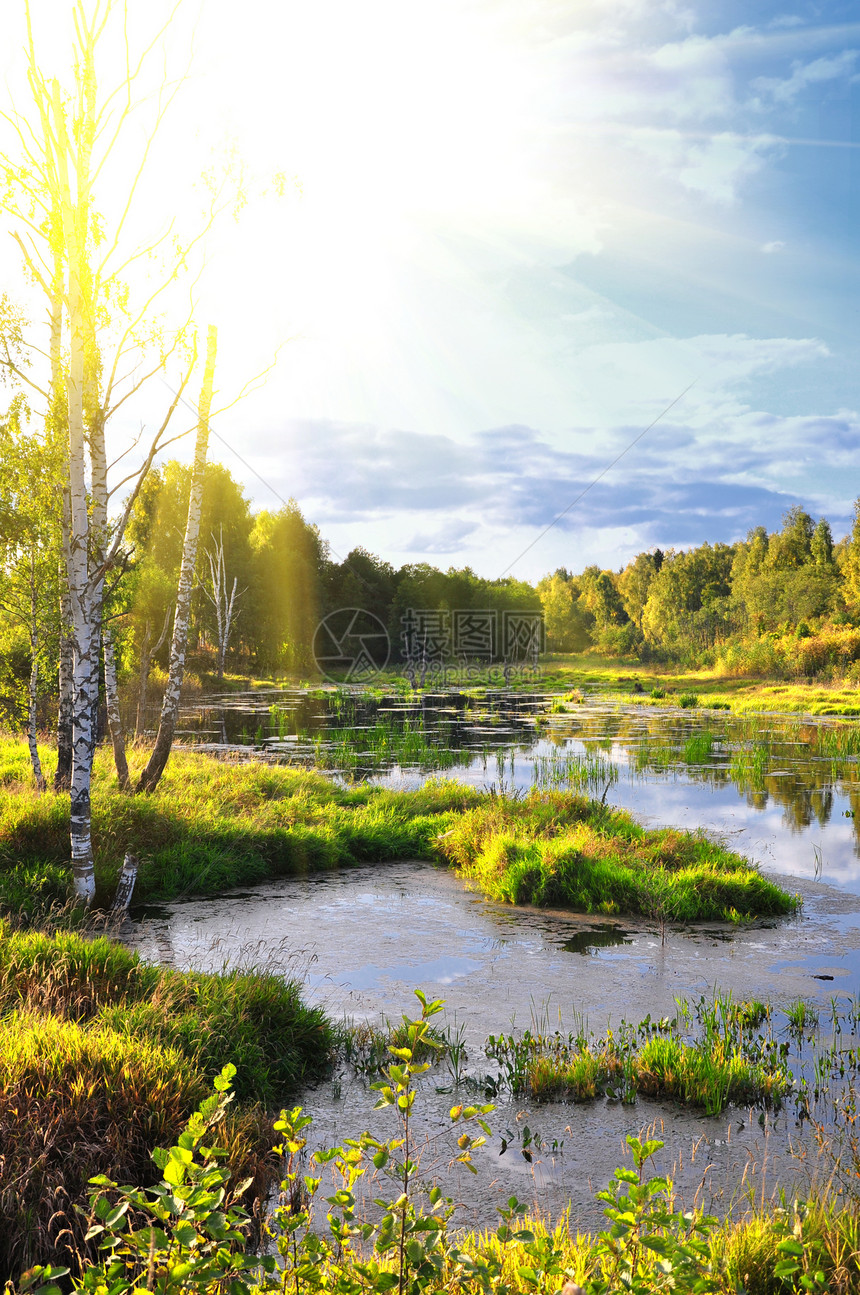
(77,1100)
(194,1234)
(651,1246)
(111,1053)
(212,825)
(562,850)
(190,1232)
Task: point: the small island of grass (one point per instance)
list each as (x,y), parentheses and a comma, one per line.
(213,825)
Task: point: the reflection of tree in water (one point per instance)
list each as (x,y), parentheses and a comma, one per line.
(795,764)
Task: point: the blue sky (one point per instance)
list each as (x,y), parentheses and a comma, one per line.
(514,231)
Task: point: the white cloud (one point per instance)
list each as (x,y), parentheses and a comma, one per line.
(718,168)
(776,246)
(803,75)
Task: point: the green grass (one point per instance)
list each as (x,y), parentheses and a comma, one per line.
(717,1052)
(565,851)
(214,825)
(103,1057)
(663,685)
(211,825)
(252,1018)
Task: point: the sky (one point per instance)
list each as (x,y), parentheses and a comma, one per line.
(513,241)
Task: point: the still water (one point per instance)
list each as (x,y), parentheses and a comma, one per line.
(781,791)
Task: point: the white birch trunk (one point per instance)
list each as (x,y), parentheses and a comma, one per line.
(224,605)
(85,598)
(170,705)
(58,432)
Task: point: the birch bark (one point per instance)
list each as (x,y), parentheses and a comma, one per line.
(57,430)
(179,645)
(84,594)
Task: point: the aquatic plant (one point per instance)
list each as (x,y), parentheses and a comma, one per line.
(586,772)
(192,1230)
(653,1059)
(698,748)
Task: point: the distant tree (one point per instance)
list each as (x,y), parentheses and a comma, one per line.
(222,595)
(566,618)
(284,602)
(634,583)
(791,547)
(688,600)
(821,545)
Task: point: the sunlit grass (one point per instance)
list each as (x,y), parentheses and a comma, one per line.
(103,1056)
(566,851)
(613,678)
(214,824)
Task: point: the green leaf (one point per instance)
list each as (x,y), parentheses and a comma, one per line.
(790,1246)
(185,1233)
(660,1245)
(223,1081)
(174,1172)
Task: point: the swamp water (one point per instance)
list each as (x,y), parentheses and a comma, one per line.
(782,791)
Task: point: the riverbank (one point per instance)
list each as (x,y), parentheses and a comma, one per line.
(215,824)
(616,679)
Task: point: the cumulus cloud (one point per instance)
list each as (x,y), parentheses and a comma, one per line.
(676,486)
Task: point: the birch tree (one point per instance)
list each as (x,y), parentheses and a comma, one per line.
(151,775)
(222,601)
(101,345)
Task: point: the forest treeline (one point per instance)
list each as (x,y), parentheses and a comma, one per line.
(783,604)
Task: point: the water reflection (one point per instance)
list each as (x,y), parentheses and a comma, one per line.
(603,936)
(787,788)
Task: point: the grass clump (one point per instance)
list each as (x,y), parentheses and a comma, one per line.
(726,1057)
(213,825)
(104,1055)
(710,1076)
(563,850)
(76,1101)
(249,1016)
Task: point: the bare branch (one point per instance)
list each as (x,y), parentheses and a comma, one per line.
(155,446)
(253,384)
